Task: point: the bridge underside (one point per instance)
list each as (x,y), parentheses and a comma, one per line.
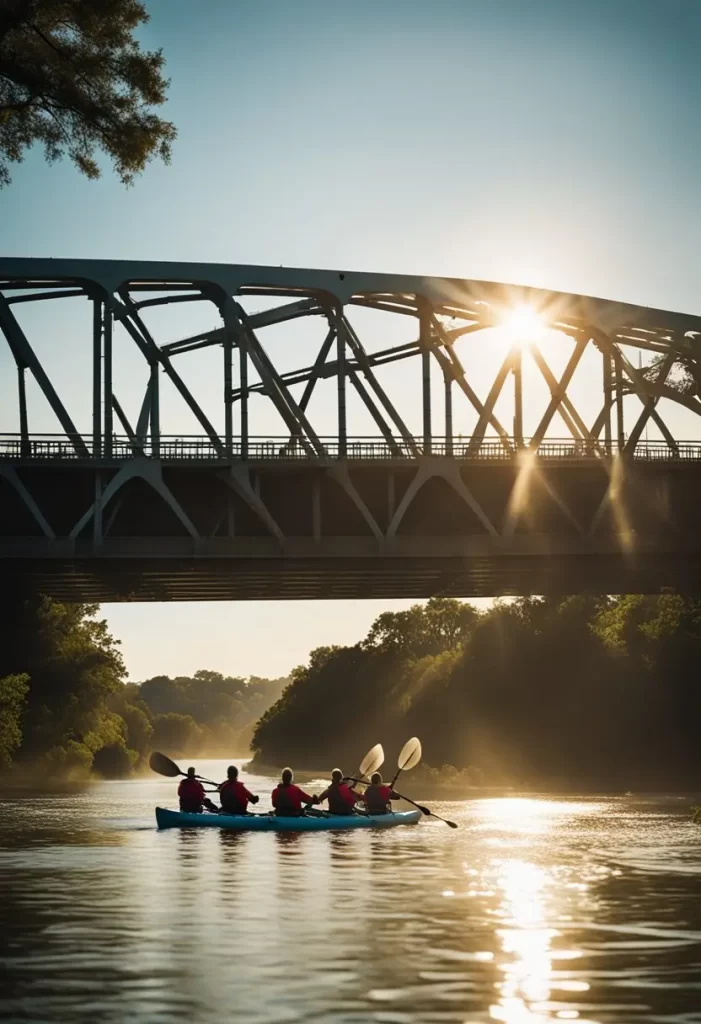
(237,579)
(155,531)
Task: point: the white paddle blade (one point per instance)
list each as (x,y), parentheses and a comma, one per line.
(372,760)
(410,754)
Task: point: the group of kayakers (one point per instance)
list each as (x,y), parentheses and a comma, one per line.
(288,799)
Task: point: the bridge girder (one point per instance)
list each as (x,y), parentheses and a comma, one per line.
(446,311)
(104,468)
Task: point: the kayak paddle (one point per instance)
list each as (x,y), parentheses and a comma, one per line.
(372,760)
(370,763)
(421,807)
(427,810)
(163,765)
(409,757)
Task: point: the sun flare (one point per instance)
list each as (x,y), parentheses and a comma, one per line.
(524,324)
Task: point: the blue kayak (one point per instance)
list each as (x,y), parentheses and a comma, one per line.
(271,823)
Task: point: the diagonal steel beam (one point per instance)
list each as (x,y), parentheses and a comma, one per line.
(492,398)
(379,419)
(560,391)
(294,417)
(128,315)
(314,376)
(650,408)
(25,357)
(575,424)
(10,474)
(639,382)
(358,350)
(453,370)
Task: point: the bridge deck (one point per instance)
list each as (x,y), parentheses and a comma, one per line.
(286,523)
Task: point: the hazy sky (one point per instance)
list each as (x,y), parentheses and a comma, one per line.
(546,142)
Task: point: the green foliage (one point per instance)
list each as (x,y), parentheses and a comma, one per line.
(74,666)
(178,734)
(139,728)
(65,709)
(225,708)
(74,79)
(114,761)
(684,378)
(579,692)
(439,625)
(13,696)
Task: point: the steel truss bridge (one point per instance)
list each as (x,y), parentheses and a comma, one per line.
(128,511)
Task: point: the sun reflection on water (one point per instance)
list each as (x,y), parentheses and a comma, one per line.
(531,900)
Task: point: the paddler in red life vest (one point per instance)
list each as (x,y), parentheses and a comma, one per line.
(191,793)
(233,794)
(287,798)
(378,795)
(339,794)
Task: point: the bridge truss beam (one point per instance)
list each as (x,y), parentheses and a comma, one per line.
(307,498)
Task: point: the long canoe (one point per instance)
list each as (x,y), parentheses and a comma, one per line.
(270,823)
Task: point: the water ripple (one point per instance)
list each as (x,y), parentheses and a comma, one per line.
(533,911)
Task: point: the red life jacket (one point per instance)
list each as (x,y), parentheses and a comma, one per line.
(289,799)
(234,796)
(191,793)
(341,798)
(377,798)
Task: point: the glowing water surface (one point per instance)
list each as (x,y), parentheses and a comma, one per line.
(536,910)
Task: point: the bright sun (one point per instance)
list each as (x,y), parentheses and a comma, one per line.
(523,324)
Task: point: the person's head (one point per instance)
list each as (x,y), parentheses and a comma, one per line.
(336,776)
(376,779)
(232,772)
(191,773)
(287,776)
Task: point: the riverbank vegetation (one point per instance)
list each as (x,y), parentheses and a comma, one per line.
(66,710)
(579,692)
(573,693)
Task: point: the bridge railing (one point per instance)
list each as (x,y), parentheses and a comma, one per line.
(184,448)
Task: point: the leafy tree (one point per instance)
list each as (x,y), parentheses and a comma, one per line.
(581,691)
(139,728)
(13,695)
(440,624)
(225,708)
(685,376)
(74,79)
(114,761)
(74,665)
(178,734)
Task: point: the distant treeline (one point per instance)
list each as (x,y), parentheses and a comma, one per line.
(65,709)
(580,692)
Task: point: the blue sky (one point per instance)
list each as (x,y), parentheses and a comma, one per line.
(550,142)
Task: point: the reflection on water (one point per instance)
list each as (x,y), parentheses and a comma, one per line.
(534,911)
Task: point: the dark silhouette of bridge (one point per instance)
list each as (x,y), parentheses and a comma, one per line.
(128,511)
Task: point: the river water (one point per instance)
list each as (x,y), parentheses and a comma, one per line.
(534,910)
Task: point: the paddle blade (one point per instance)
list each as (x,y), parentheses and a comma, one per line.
(163,765)
(410,754)
(372,760)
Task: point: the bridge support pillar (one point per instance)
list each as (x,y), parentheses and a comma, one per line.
(448,385)
(518,397)
(97,378)
(620,424)
(425,335)
(23,419)
(107,379)
(608,399)
(341,378)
